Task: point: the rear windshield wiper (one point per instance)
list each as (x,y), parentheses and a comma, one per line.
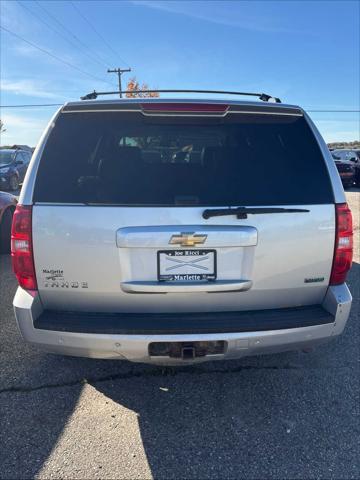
(242,212)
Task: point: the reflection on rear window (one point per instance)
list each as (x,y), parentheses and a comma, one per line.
(128,159)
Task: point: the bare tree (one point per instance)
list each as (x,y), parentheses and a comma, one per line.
(2,127)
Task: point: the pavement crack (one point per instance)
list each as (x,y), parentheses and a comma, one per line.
(160,372)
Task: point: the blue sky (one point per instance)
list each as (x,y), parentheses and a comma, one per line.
(305,52)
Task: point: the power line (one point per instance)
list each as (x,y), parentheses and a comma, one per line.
(332,111)
(114,52)
(100,60)
(33,105)
(53,56)
(51,27)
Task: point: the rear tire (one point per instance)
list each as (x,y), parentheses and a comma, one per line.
(14,183)
(5,231)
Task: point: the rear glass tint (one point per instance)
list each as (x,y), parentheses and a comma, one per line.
(132,159)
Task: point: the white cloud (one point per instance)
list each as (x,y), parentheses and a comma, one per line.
(223,16)
(346,130)
(33,52)
(22,129)
(29,88)
(11,16)
(24,50)
(342,136)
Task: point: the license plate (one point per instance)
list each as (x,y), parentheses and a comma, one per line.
(186,265)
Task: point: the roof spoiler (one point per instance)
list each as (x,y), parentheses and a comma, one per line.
(262,96)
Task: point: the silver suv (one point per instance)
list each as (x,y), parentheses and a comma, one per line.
(175,231)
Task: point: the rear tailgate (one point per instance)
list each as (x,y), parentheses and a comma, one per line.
(81,264)
(118,217)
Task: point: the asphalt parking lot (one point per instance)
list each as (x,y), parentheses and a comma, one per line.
(292,415)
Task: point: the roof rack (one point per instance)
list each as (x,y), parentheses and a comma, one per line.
(262,96)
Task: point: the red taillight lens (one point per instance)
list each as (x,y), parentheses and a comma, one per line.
(185,107)
(21,247)
(343,245)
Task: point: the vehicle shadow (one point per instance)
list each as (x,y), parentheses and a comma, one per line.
(32,418)
(289,415)
(353,188)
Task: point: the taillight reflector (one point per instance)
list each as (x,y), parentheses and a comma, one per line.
(21,247)
(343,245)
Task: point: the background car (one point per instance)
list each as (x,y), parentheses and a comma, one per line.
(7,207)
(351,158)
(345,168)
(357,166)
(14,162)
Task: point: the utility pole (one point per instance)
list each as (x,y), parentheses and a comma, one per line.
(119,71)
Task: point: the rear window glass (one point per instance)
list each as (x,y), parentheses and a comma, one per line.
(132,159)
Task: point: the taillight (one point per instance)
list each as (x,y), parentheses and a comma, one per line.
(21,247)
(161,107)
(343,245)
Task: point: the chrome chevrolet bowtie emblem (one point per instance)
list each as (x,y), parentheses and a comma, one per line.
(187,239)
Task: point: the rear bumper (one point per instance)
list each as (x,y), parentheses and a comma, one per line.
(347,177)
(287,329)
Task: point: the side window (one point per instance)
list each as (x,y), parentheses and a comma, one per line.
(21,156)
(24,157)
